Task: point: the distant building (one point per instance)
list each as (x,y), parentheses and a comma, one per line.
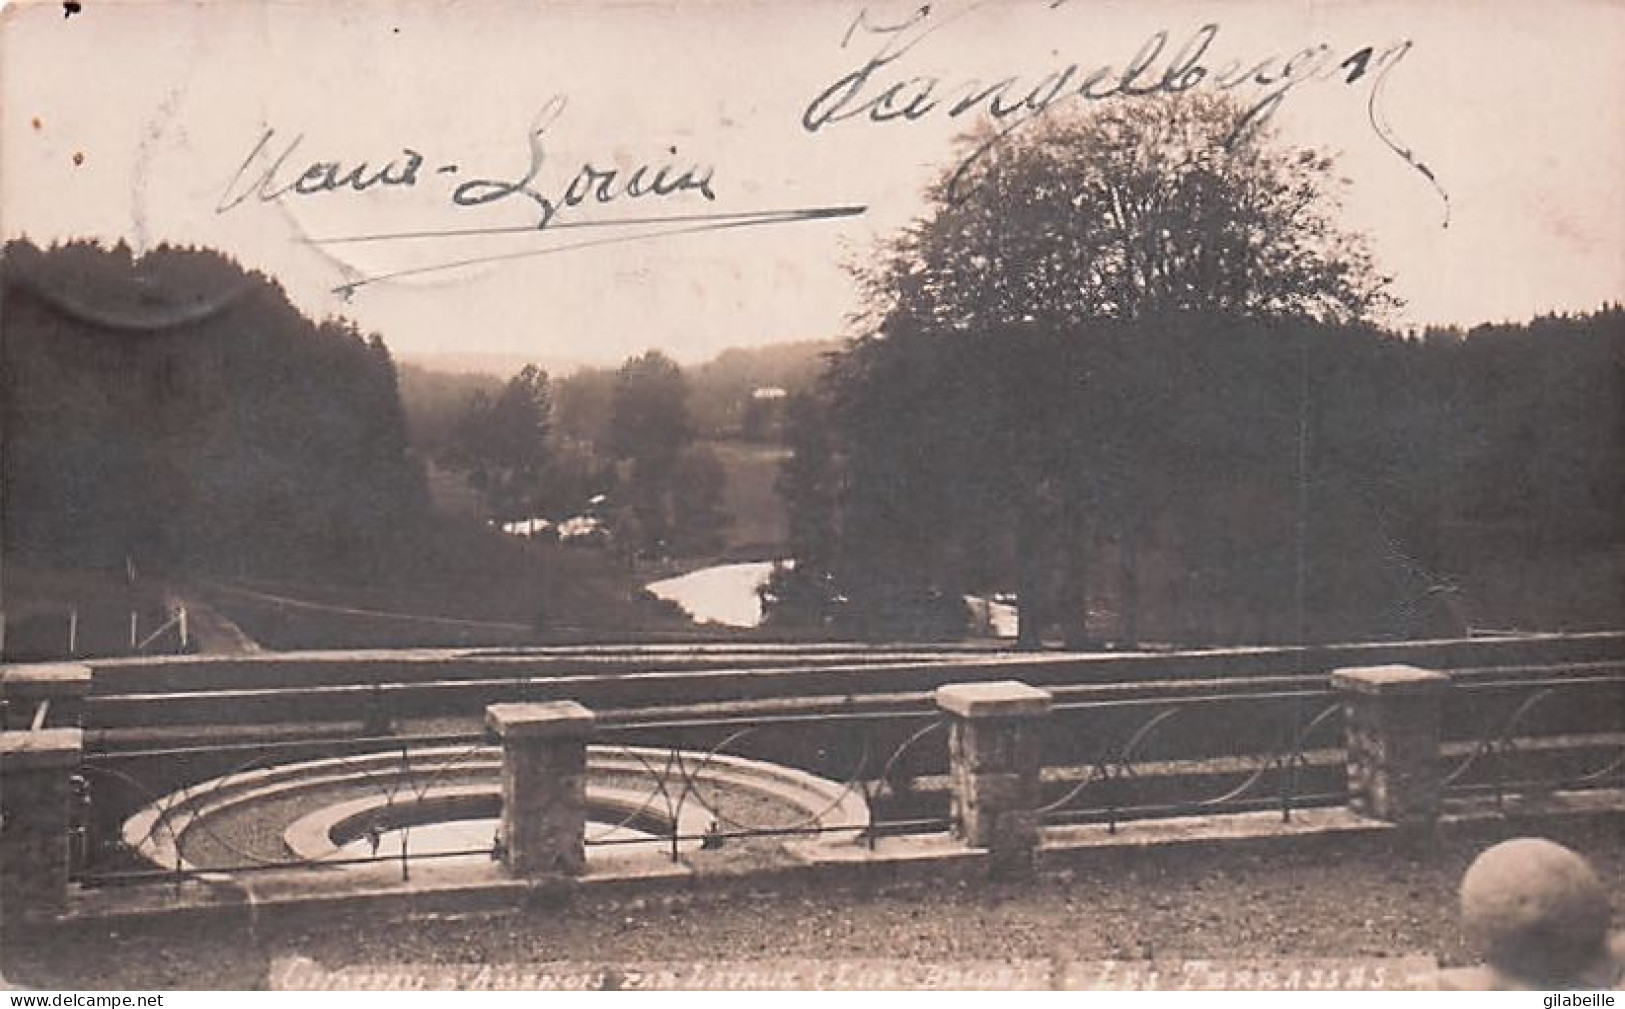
(530,527)
(763,415)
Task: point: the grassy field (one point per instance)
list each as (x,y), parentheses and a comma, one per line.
(466,584)
(758,528)
(459,583)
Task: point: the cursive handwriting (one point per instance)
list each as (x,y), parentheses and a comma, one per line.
(880,90)
(274,171)
(265,178)
(600,185)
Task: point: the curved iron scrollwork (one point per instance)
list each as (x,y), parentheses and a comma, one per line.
(1116,775)
(1507,751)
(178,819)
(679,782)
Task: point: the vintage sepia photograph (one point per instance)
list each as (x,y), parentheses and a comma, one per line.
(838,495)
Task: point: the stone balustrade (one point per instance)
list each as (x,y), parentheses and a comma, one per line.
(995,759)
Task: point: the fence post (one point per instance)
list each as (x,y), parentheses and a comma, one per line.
(1391,719)
(995,756)
(544,785)
(36,801)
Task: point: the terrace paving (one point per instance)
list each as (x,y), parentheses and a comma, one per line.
(1348,895)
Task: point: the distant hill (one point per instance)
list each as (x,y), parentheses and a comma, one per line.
(488,365)
(719,392)
(433,400)
(720,388)
(434,389)
(172,426)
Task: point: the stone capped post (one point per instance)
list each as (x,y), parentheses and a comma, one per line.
(1391,717)
(995,755)
(36,801)
(56,689)
(544,785)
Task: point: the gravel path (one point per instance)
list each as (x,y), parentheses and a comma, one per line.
(1351,898)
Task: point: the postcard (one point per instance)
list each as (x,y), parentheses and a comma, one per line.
(626,465)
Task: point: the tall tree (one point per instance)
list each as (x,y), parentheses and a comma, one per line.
(649,426)
(1127,210)
(1134,212)
(802,593)
(502,443)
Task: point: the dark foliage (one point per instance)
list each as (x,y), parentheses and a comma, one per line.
(1131,374)
(501,443)
(1276,479)
(176,411)
(649,427)
(721,400)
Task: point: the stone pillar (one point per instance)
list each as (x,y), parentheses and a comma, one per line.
(63,685)
(995,754)
(544,785)
(1391,718)
(36,799)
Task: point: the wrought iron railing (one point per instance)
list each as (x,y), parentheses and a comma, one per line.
(1163,757)
(1110,760)
(885,753)
(127,829)
(1529,737)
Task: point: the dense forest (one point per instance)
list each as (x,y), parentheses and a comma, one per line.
(175,413)
(1129,370)
(1202,479)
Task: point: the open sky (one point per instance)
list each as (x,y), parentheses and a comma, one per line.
(168,121)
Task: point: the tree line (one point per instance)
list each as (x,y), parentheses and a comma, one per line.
(1137,379)
(175,412)
(640,471)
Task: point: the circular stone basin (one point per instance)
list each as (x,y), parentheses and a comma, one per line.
(473,838)
(470,838)
(444,800)
(461,822)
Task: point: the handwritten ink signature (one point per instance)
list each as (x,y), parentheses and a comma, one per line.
(275,170)
(589,182)
(272,172)
(880,90)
